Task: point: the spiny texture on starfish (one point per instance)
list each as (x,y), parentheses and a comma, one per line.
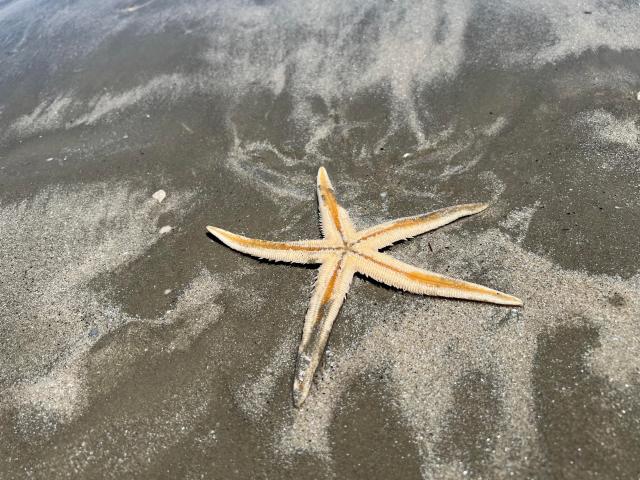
(341,253)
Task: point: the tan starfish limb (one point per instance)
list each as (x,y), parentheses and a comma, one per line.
(341,253)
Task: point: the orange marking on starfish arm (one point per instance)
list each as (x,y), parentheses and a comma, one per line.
(331,202)
(408,222)
(330,286)
(328,198)
(434,283)
(430,279)
(306,251)
(256,243)
(391,232)
(252,242)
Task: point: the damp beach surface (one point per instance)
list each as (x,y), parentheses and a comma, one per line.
(133,345)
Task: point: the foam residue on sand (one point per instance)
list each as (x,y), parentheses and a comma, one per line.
(610,141)
(433,345)
(48,400)
(246,160)
(150,437)
(407,45)
(253,396)
(343,49)
(606,128)
(197,307)
(518,221)
(54,245)
(496,127)
(451,151)
(531,34)
(68,111)
(49,114)
(590,25)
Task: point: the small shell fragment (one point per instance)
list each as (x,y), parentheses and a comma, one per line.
(166,229)
(159,196)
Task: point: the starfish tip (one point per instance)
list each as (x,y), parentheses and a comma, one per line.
(299,396)
(323,176)
(514,301)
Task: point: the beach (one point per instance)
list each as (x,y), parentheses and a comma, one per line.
(135,345)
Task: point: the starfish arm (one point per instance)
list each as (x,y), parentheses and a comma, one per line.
(387,233)
(305,251)
(348,230)
(386,269)
(334,278)
(334,220)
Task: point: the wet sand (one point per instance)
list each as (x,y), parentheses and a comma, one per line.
(134,345)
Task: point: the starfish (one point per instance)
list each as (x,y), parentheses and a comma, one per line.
(341,253)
